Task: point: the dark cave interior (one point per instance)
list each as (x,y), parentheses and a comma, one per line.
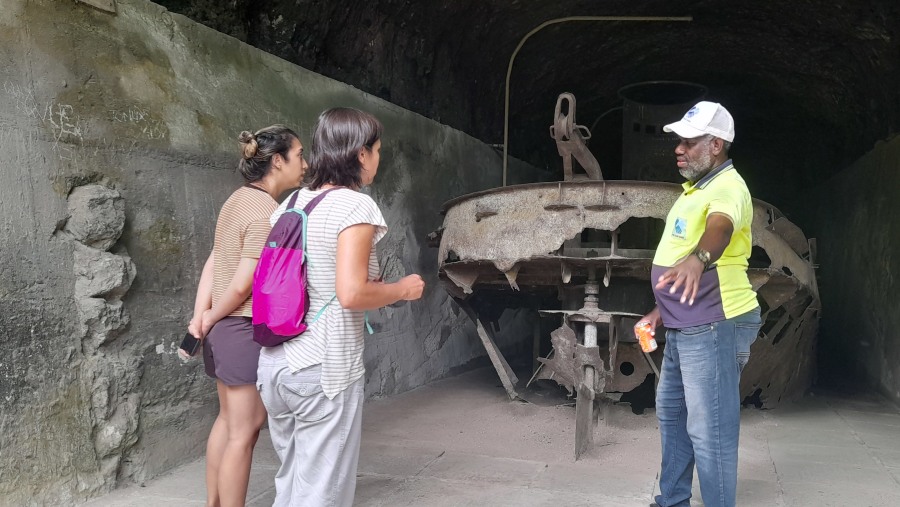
(812,86)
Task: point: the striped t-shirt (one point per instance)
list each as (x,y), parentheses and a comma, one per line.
(241,232)
(335,340)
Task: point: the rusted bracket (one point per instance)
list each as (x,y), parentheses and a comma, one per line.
(570,139)
(590,356)
(561,366)
(462,278)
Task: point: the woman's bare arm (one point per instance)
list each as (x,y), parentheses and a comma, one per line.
(354,289)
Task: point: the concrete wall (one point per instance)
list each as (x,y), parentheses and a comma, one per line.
(858,231)
(137,112)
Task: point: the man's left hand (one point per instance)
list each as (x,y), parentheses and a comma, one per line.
(687,273)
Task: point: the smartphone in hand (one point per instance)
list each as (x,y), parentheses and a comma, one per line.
(190,344)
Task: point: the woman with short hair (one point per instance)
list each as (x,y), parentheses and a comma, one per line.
(313,385)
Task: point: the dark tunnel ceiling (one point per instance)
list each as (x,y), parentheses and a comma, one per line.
(812,85)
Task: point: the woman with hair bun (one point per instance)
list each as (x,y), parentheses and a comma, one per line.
(271,163)
(313,386)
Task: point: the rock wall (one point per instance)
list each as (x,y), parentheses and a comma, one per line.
(858,229)
(118,149)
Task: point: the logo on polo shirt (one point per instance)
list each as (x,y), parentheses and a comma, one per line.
(680,229)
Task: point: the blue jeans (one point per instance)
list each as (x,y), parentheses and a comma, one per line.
(698,405)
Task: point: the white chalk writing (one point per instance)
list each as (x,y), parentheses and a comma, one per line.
(61,119)
(141,118)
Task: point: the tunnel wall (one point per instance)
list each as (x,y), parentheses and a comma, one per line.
(118,149)
(857,224)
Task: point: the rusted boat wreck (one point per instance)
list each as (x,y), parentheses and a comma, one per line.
(579,252)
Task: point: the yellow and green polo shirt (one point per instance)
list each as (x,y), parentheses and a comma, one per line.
(725,290)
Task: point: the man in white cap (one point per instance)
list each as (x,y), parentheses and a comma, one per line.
(705,301)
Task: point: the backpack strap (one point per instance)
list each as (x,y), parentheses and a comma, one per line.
(316,200)
(368,326)
(293,200)
(304,213)
(322,310)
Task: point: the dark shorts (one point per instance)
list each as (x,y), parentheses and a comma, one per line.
(229,352)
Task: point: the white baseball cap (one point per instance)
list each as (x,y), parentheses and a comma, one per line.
(704,118)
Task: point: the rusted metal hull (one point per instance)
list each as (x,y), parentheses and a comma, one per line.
(534,245)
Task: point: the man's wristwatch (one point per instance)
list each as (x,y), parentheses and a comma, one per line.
(704,257)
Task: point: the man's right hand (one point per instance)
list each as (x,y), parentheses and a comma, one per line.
(653,319)
(412,286)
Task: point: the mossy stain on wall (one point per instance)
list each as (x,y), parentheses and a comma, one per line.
(162,240)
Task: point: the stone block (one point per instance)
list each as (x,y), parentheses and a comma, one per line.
(96,216)
(120,431)
(100,273)
(101,320)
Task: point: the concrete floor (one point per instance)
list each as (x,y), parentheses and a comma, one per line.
(461,442)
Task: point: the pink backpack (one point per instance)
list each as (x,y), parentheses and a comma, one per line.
(280,299)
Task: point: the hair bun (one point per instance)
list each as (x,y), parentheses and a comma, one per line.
(248,144)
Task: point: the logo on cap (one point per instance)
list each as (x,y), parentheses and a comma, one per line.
(692,112)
